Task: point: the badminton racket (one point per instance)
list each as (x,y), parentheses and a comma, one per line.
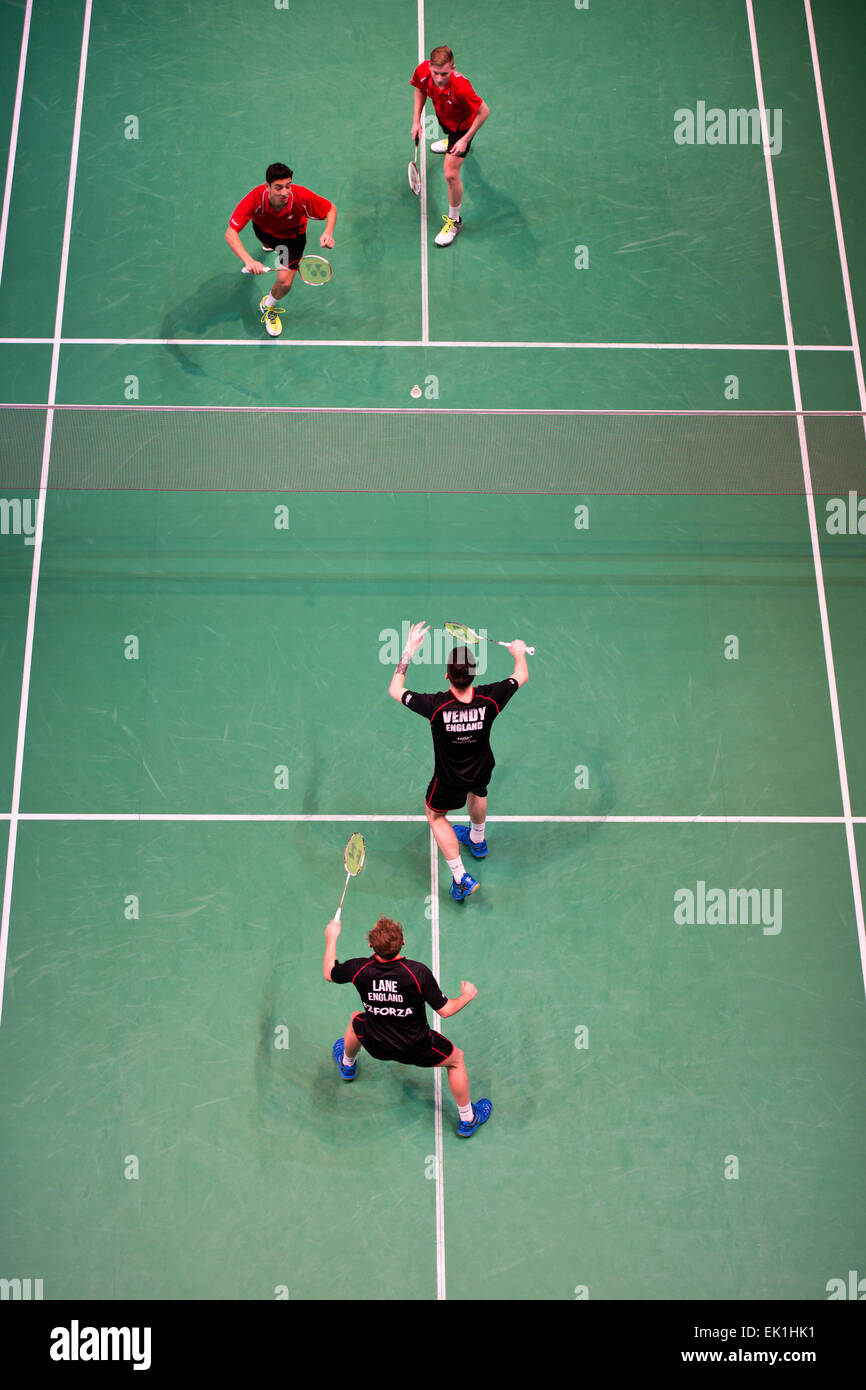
(313,270)
(353,859)
(465,634)
(414,175)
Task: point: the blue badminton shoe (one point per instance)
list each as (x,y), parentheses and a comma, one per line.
(461,890)
(463,834)
(347,1073)
(480,1115)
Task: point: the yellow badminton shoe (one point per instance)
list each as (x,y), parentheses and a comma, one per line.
(271,318)
(451,228)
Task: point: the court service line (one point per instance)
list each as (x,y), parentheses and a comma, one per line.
(837,215)
(366,818)
(13,137)
(422,145)
(166,409)
(422,342)
(438,1145)
(40,520)
(810,501)
(437,1078)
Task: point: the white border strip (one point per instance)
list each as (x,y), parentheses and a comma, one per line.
(425,292)
(430,410)
(810,501)
(437,1078)
(283,342)
(14,815)
(13,138)
(230,817)
(837,216)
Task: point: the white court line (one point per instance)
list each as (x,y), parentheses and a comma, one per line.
(837,216)
(438,1146)
(13,138)
(40,522)
(810,501)
(365,817)
(428,410)
(422,146)
(437,1078)
(417,410)
(283,342)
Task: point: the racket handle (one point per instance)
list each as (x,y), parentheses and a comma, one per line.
(342,899)
(530,651)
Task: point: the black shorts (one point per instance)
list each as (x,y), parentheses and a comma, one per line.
(428,1053)
(453,137)
(448,796)
(292,246)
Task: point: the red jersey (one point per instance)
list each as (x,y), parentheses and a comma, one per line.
(291,221)
(456,105)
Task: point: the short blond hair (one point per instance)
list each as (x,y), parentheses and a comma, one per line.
(386,938)
(441,55)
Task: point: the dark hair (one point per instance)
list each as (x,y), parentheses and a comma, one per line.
(461,667)
(277,171)
(386,938)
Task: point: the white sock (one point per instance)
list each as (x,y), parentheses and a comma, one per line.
(466,1112)
(348,1061)
(269,301)
(457,869)
(455,212)
(476,832)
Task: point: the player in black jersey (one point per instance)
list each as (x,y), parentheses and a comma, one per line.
(460,719)
(393,1025)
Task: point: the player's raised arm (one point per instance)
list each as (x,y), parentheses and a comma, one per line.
(332,931)
(417,633)
(453,1006)
(521,669)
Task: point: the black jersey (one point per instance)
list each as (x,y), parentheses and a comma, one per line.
(461,732)
(393,993)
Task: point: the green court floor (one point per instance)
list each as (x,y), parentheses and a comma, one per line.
(212,544)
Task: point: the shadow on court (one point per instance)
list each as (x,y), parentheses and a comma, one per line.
(220,303)
(502,212)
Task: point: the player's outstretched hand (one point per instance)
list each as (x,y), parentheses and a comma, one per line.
(468,989)
(415,640)
(517,648)
(326,241)
(332,930)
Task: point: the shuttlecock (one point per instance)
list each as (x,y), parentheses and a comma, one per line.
(416,392)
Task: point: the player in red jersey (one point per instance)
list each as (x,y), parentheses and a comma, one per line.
(279,210)
(461,114)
